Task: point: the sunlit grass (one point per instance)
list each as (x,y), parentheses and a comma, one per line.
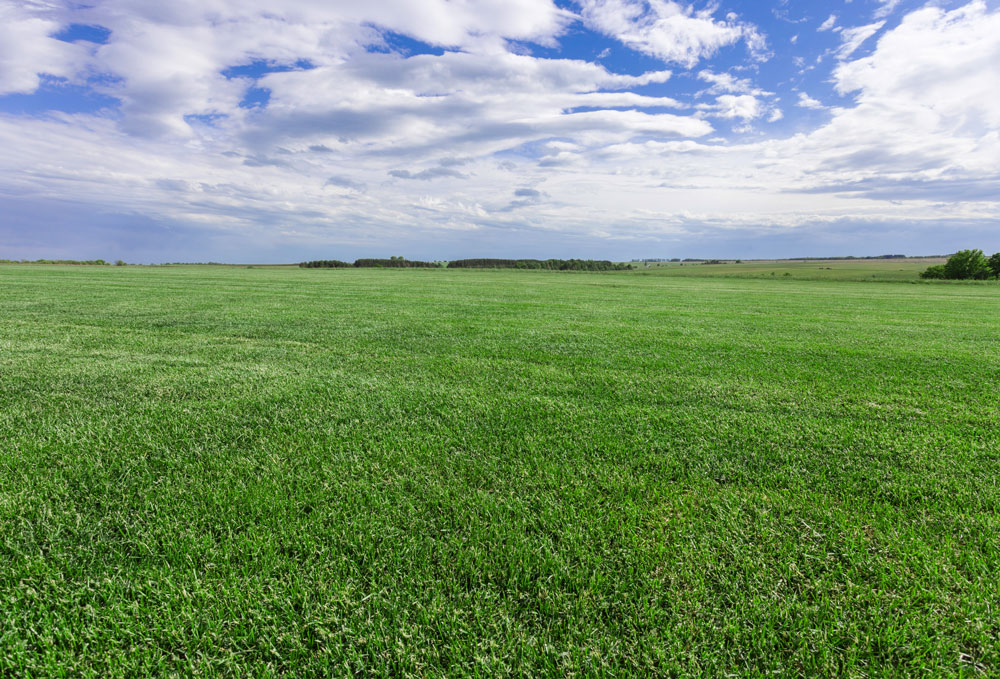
(253,472)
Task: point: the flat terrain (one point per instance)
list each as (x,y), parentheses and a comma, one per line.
(829,269)
(318,473)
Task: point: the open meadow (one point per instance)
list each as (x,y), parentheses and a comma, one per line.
(211,471)
(904,269)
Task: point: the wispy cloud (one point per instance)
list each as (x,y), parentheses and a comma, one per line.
(853,38)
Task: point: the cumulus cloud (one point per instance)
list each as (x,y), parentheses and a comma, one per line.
(168,59)
(356,146)
(27,48)
(743,106)
(926,106)
(805,101)
(668,30)
(728,83)
(942,64)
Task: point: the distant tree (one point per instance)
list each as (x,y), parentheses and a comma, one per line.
(967,265)
(120,262)
(994,264)
(548,264)
(395,262)
(935,272)
(325,264)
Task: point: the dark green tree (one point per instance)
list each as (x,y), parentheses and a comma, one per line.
(994,264)
(967,265)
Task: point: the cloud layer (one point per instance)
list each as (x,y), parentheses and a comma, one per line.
(319,124)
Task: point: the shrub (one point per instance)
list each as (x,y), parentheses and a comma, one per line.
(933,272)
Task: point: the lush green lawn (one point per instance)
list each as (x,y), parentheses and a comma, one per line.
(838,269)
(235,472)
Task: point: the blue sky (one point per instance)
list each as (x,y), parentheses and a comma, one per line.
(238,131)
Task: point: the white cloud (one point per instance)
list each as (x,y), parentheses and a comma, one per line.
(170,56)
(805,101)
(668,30)
(471,103)
(926,108)
(940,64)
(728,83)
(886,7)
(853,38)
(28,50)
(743,106)
(830,22)
(377,146)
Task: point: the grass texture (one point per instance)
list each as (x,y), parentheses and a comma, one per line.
(224,472)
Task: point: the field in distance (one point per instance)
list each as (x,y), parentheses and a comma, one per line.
(210,471)
(907,269)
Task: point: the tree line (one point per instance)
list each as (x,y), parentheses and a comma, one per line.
(392,262)
(547,264)
(77,262)
(483,263)
(966,265)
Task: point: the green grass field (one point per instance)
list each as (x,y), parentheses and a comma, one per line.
(322,473)
(837,269)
